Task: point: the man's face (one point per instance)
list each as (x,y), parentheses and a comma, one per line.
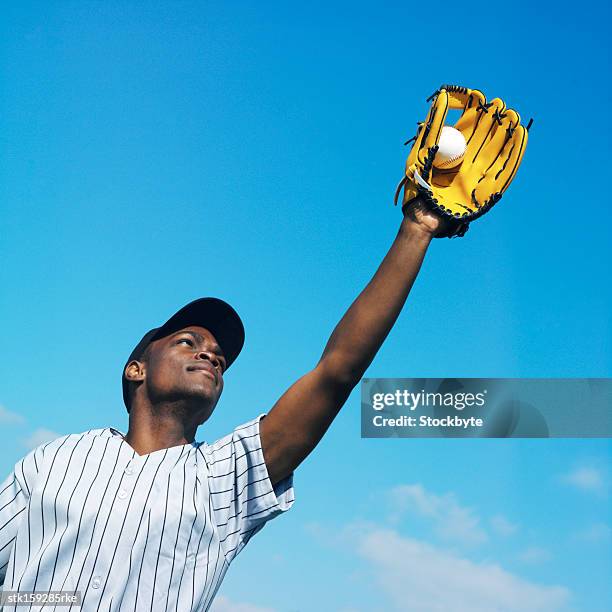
(186,366)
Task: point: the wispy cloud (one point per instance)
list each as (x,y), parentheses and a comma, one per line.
(502,526)
(40,436)
(594,534)
(590,479)
(224,604)
(419,577)
(36,438)
(534,555)
(10,418)
(451,520)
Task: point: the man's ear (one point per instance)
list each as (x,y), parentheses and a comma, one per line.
(135,371)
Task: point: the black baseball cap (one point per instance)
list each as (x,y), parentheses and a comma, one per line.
(212,313)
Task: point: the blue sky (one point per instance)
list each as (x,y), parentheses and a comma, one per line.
(156,152)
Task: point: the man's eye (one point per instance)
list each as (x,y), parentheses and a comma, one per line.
(189,342)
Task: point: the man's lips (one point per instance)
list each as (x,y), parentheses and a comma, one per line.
(202,367)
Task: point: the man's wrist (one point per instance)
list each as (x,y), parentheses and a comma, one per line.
(413,230)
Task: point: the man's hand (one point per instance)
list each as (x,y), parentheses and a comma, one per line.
(419,216)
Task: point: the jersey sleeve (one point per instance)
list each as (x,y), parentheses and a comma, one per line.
(14,497)
(242,497)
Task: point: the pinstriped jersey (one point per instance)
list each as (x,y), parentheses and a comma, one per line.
(154,532)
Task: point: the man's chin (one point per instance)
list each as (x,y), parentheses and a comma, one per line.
(199,402)
(204,401)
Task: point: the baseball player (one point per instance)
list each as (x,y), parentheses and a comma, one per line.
(150,520)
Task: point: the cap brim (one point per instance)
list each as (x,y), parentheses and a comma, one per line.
(216,316)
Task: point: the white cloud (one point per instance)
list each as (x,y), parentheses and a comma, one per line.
(451,521)
(224,604)
(594,534)
(40,436)
(10,418)
(502,526)
(418,577)
(534,555)
(588,479)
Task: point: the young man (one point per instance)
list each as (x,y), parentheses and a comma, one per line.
(151,520)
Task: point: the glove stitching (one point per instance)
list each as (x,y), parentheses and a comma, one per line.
(475,125)
(516,165)
(506,162)
(497,116)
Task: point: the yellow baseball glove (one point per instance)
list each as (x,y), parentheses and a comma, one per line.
(496,143)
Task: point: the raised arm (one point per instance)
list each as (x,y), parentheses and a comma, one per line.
(302,415)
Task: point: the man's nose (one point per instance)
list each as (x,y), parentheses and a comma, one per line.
(208,356)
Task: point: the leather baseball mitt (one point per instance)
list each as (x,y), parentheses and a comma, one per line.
(496,143)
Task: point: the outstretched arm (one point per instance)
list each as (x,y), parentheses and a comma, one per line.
(298,420)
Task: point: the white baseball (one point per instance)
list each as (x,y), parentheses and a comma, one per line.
(451,148)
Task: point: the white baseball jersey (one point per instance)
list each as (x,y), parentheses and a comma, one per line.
(150,533)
